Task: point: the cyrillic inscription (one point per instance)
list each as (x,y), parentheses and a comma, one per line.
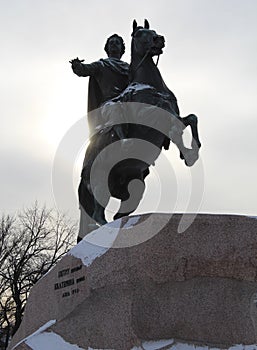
(63,272)
(80,279)
(69,282)
(64,284)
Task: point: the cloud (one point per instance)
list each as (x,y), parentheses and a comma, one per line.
(24,178)
(209,62)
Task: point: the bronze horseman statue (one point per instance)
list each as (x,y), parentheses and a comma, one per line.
(126,104)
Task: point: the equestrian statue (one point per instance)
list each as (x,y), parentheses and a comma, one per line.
(129,127)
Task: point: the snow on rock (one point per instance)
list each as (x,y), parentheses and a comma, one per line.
(132,221)
(100,240)
(155,345)
(253,217)
(182,346)
(40,329)
(87,252)
(96,243)
(105,235)
(243,347)
(41,340)
(49,340)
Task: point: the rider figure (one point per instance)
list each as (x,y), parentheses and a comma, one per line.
(108,78)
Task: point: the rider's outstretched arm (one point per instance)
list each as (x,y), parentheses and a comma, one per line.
(85,70)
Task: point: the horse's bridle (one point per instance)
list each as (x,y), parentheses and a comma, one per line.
(147,52)
(140,63)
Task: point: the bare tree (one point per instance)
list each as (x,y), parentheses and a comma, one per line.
(6,248)
(31,244)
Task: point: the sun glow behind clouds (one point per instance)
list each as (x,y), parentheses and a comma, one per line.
(65,108)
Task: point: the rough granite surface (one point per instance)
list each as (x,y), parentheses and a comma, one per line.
(199,286)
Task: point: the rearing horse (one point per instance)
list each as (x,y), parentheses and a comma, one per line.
(145,44)
(127,119)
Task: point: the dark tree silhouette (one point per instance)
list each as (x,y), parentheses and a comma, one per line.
(31,243)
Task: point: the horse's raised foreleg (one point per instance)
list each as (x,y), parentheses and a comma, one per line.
(192,121)
(190,156)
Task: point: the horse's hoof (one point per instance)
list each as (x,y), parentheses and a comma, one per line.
(190,157)
(119,215)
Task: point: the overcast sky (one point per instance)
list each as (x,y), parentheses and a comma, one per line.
(209,62)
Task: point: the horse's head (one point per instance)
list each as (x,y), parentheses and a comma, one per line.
(146,41)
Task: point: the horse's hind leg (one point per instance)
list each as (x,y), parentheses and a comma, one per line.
(86,224)
(86,203)
(91,212)
(101,196)
(136,189)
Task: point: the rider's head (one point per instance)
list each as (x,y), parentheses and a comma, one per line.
(115,46)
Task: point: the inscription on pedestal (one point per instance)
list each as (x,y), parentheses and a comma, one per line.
(63,272)
(70,280)
(64,284)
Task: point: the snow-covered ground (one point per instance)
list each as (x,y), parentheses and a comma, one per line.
(42,340)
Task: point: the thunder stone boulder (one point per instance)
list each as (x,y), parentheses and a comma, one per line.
(154,277)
